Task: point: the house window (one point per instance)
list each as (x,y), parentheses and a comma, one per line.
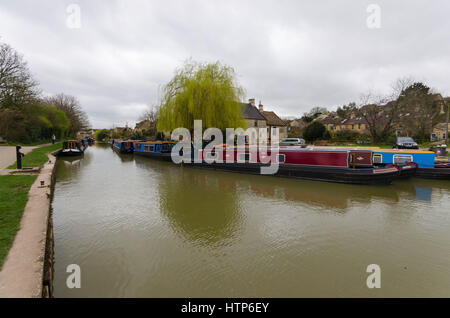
(281,158)
(401,159)
(377,158)
(353,126)
(359,126)
(256,123)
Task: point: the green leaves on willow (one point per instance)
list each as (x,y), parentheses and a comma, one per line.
(208,92)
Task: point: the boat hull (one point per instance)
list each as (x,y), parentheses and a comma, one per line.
(330,174)
(155,155)
(70,153)
(122,151)
(407,171)
(433,173)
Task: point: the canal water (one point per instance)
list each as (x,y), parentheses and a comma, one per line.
(139,227)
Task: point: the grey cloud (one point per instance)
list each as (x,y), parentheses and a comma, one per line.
(292,55)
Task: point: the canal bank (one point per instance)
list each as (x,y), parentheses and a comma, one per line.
(28,268)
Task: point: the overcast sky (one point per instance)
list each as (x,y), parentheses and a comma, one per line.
(291,55)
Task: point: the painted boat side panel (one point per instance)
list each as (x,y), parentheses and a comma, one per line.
(338,159)
(424,159)
(312,158)
(158,147)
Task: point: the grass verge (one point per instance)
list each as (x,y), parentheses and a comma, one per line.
(13,198)
(37,157)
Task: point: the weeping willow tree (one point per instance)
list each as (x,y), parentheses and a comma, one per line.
(209,92)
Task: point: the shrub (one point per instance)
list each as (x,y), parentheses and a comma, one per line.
(326,135)
(159,135)
(346,135)
(314,131)
(101,134)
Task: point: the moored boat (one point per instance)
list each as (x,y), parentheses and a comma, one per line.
(71,148)
(90,140)
(425,162)
(440,171)
(342,166)
(154,149)
(122,146)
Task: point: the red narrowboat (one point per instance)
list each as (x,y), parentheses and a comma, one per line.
(343,166)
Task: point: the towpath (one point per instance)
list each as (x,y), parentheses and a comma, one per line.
(8,155)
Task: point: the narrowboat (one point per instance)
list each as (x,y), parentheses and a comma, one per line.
(71,148)
(425,161)
(342,166)
(122,146)
(154,149)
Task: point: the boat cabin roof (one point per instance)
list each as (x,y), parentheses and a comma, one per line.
(403,151)
(154,142)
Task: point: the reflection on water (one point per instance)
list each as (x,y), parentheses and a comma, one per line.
(144,228)
(211,218)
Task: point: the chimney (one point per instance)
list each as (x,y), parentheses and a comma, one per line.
(261,107)
(251,101)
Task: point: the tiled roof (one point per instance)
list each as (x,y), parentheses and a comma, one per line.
(251,112)
(328,120)
(273,119)
(352,121)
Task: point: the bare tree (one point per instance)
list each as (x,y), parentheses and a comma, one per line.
(382,113)
(150,116)
(378,118)
(78,119)
(18,92)
(17,86)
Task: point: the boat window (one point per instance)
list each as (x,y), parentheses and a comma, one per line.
(243,157)
(377,158)
(148,148)
(281,158)
(400,159)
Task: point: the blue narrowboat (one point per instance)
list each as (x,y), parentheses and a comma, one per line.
(423,160)
(122,146)
(155,149)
